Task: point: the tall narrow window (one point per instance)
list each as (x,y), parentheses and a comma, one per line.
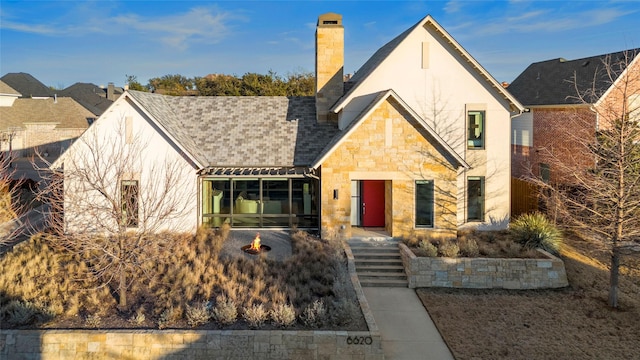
(475,132)
(424,203)
(130,193)
(545,172)
(475,198)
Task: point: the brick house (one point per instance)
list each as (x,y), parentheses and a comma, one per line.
(568,101)
(49,124)
(368,152)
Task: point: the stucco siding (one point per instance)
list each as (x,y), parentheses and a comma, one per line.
(124,145)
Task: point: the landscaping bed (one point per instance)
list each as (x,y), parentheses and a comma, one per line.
(186,282)
(569,323)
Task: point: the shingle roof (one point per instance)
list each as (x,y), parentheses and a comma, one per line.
(66,112)
(27,85)
(5,89)
(241,130)
(557,81)
(88,95)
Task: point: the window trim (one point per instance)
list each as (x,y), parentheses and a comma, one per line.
(132,222)
(482,198)
(483,125)
(431,204)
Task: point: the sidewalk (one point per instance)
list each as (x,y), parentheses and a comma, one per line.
(406,328)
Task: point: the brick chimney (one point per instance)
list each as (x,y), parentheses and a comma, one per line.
(329,65)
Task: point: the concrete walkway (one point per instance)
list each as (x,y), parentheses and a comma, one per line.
(406,328)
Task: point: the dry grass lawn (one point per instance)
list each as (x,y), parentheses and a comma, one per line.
(571,323)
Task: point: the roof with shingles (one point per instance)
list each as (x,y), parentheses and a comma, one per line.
(558,81)
(5,89)
(27,85)
(88,95)
(247,131)
(66,112)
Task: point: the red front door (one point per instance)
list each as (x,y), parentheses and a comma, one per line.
(373,203)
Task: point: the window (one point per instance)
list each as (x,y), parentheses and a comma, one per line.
(424,203)
(545,172)
(475,198)
(475,132)
(130,191)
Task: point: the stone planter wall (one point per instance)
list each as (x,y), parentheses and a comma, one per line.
(484,273)
(187,344)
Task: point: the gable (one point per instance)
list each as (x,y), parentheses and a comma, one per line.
(557,81)
(391,131)
(422,61)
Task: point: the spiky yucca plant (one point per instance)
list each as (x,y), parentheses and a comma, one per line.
(536,231)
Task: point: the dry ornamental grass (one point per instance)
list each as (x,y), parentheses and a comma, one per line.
(570,323)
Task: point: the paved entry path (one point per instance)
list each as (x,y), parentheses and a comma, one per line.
(406,328)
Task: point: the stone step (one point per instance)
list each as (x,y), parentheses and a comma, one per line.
(374,249)
(383,283)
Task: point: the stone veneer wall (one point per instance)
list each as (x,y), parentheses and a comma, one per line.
(194,344)
(388,145)
(483,273)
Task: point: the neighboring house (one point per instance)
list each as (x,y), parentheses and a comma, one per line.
(27,85)
(94,98)
(48,124)
(400,146)
(566,102)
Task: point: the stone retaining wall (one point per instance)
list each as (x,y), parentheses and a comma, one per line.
(187,344)
(483,273)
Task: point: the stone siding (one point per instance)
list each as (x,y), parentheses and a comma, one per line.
(484,273)
(185,344)
(388,145)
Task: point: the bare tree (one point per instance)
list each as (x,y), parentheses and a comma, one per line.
(598,192)
(114,194)
(11,206)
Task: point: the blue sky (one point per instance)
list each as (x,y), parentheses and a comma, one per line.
(64,42)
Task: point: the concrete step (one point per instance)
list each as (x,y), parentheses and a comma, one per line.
(364,276)
(374,249)
(377,262)
(377,256)
(381,268)
(383,283)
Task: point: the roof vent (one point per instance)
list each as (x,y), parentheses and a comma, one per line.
(585,63)
(562,60)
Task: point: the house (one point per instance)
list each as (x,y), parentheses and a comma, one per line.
(416,142)
(27,85)
(568,100)
(93,97)
(48,124)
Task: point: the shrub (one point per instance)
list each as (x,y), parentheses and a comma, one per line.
(343,312)
(315,314)
(19,313)
(198,314)
(225,311)
(283,315)
(469,247)
(536,231)
(428,248)
(93,321)
(255,315)
(168,317)
(449,249)
(138,318)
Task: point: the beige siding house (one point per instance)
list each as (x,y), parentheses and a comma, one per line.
(366,153)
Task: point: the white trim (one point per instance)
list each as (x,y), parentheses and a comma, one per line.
(341,104)
(373,107)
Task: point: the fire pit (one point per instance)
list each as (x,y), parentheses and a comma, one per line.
(255,247)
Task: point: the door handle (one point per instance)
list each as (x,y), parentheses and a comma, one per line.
(364,209)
